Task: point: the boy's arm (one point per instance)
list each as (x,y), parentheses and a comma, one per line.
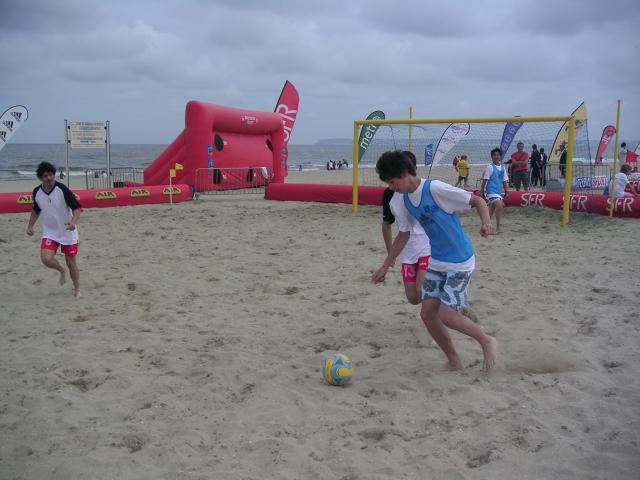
(71,224)
(483,187)
(32,221)
(386,235)
(479,204)
(505,187)
(396,247)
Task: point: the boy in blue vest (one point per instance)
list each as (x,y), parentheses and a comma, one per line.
(495,181)
(433,204)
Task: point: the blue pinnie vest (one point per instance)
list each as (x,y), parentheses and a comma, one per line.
(448,241)
(494,185)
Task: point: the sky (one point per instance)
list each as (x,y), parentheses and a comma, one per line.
(137,63)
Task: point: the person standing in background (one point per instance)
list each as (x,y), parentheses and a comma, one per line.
(535,166)
(543,167)
(520,167)
(622,154)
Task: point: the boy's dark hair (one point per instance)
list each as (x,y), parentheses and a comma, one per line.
(394,164)
(412,158)
(625,168)
(45,167)
(496,150)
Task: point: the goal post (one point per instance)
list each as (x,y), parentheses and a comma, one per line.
(483,133)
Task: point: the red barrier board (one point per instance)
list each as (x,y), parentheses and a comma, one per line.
(114,197)
(587,203)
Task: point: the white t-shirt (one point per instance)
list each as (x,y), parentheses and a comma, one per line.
(55,209)
(448,198)
(487,175)
(418,244)
(621,183)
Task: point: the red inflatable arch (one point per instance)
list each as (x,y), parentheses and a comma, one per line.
(248,147)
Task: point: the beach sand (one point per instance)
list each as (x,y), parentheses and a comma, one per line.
(196,350)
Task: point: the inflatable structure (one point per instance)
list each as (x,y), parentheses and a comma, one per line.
(248,148)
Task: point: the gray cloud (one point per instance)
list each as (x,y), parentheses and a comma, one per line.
(137,63)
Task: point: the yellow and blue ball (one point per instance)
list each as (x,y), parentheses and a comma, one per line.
(338,369)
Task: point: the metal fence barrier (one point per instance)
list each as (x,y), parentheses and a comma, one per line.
(120,177)
(228,181)
(586,178)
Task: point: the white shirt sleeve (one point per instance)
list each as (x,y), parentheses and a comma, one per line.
(505,176)
(450,198)
(487,173)
(404,220)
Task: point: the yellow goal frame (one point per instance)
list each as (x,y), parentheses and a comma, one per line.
(357,124)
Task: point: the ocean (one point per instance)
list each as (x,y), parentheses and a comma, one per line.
(19,160)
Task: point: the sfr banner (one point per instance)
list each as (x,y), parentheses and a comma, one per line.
(607,134)
(287,107)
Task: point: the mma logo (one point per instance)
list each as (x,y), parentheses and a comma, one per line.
(8,124)
(140,192)
(108,195)
(171,191)
(24,199)
(3,135)
(16,115)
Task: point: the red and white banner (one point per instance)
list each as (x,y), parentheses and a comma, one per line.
(287,107)
(607,134)
(632,157)
(587,203)
(451,136)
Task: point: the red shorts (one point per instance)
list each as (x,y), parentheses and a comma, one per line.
(410,270)
(69,250)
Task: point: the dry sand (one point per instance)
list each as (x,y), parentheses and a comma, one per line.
(196,351)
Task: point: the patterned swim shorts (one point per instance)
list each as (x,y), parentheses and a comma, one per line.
(450,288)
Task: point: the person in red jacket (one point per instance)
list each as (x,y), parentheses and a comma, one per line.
(520,167)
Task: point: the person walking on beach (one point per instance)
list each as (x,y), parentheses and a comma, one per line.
(543,167)
(520,167)
(535,166)
(60,211)
(415,254)
(563,158)
(463,172)
(433,204)
(495,184)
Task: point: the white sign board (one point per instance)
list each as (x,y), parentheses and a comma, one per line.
(87,134)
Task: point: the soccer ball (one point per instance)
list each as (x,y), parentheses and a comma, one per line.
(338,369)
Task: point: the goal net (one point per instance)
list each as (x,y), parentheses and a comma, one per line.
(439,144)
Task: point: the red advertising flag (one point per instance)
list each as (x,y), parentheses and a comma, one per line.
(632,157)
(287,107)
(607,134)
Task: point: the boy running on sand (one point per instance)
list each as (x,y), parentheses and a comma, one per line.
(495,181)
(415,255)
(433,204)
(60,212)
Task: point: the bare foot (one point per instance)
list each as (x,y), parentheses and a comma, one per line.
(77,293)
(455,366)
(63,277)
(490,352)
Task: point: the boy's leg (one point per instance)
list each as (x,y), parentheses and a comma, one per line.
(455,320)
(439,333)
(497,207)
(48,258)
(74,273)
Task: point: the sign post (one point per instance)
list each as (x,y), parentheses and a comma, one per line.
(88,135)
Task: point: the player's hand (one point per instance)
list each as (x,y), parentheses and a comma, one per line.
(71,225)
(30,231)
(486,229)
(378,275)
